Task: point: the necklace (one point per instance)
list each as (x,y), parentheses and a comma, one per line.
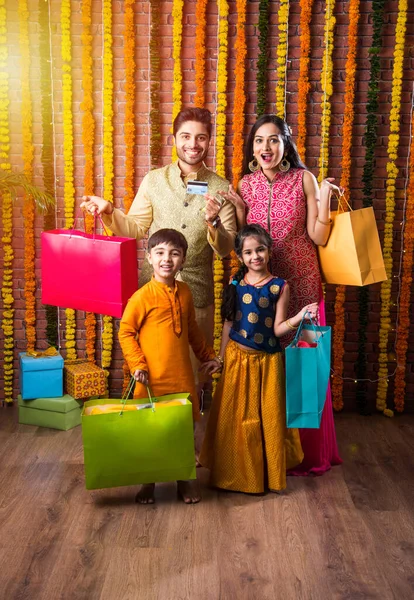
(257,282)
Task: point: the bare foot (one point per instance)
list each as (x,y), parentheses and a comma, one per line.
(189,491)
(146,494)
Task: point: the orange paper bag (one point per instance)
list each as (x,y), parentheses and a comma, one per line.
(352,254)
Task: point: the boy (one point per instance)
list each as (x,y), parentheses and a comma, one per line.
(156,331)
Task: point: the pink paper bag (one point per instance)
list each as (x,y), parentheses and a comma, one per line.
(89,272)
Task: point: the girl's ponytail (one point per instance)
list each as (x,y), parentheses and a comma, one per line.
(228,305)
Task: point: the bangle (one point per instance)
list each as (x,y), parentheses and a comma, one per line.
(289,324)
(324,222)
(220,359)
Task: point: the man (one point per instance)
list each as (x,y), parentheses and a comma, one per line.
(207,222)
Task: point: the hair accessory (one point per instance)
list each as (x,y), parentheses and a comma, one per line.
(254,165)
(234,282)
(284,165)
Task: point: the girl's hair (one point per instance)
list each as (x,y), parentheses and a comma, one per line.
(168,236)
(228,306)
(201,115)
(291,153)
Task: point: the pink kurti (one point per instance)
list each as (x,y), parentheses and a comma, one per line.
(280,207)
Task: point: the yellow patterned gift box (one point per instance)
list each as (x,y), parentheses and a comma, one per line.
(84,379)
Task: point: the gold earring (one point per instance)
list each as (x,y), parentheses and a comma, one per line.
(284,165)
(254,165)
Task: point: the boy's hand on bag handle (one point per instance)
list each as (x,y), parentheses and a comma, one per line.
(141,376)
(211,366)
(97,205)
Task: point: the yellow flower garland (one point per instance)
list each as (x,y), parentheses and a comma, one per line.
(108,154)
(7,214)
(283,24)
(339,328)
(29,204)
(69,189)
(392,171)
(88,138)
(326,84)
(223,28)
(177,14)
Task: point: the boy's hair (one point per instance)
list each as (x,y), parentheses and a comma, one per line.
(291,153)
(168,236)
(201,115)
(228,306)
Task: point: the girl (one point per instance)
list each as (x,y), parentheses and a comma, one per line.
(247,446)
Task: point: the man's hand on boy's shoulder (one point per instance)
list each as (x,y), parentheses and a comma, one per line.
(141,376)
(211,366)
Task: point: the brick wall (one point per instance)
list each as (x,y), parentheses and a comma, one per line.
(142,21)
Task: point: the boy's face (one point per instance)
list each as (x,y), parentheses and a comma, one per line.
(166,260)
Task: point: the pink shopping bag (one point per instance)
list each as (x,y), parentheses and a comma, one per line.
(89,272)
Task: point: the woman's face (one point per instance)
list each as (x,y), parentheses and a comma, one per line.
(268,147)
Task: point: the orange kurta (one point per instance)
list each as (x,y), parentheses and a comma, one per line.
(156,331)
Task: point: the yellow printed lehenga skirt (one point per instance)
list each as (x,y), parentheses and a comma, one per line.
(247,446)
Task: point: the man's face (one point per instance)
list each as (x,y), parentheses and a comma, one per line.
(192,142)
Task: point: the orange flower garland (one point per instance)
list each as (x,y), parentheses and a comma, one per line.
(339,327)
(129,127)
(200,52)
(239,94)
(303,82)
(403,326)
(7,212)
(88,139)
(29,204)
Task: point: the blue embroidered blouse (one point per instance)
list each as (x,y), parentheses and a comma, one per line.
(255,315)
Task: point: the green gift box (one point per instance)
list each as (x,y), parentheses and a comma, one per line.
(141,446)
(57,413)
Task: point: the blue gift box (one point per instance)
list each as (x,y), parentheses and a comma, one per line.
(41,377)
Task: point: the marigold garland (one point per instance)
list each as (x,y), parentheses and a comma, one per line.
(350,71)
(88,139)
(200,52)
(177,14)
(370,137)
(29,204)
(263,27)
(7,215)
(303,82)
(239,93)
(223,12)
(403,325)
(155,76)
(108,154)
(392,171)
(282,50)
(47,147)
(326,85)
(69,189)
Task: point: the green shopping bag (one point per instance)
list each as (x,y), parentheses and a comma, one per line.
(148,445)
(308,364)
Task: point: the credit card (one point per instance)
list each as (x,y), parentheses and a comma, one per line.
(197,187)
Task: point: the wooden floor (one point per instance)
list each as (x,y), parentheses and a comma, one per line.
(346,535)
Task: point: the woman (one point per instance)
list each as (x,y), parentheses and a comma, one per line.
(278,192)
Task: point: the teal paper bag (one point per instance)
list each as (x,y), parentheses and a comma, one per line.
(308,364)
(141,446)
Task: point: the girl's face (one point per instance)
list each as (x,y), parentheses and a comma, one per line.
(268,147)
(255,254)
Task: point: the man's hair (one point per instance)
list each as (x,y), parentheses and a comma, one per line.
(202,115)
(168,236)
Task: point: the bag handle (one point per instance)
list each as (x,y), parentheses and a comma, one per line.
(129,389)
(341,197)
(300,327)
(95,216)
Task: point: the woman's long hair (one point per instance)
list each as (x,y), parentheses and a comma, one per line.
(228,306)
(291,153)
